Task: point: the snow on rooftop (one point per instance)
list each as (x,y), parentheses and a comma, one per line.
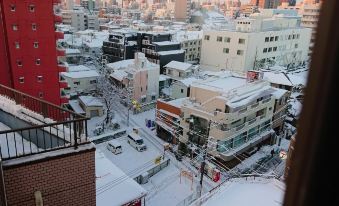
(187,35)
(78,68)
(113,186)
(189,81)
(12,145)
(164,43)
(277,78)
(182,66)
(118,75)
(247,191)
(226,83)
(120,64)
(76,107)
(163,77)
(171,52)
(278,93)
(80,74)
(297,80)
(90,101)
(72,51)
(177,102)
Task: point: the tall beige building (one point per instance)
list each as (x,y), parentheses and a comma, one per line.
(182,10)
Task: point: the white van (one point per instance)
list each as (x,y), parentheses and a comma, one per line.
(136,141)
(114,146)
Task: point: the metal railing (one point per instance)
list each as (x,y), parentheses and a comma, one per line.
(39,126)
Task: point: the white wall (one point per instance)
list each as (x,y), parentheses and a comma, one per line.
(213,58)
(84,85)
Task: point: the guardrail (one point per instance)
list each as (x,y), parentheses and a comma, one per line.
(52,127)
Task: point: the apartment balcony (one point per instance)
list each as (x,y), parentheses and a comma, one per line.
(61,52)
(219,134)
(62,67)
(57,19)
(63,84)
(59,35)
(228,118)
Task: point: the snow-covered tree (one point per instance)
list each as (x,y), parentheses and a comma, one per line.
(108,93)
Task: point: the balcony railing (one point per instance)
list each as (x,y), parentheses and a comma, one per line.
(48,127)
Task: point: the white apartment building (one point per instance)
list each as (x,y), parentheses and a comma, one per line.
(79,79)
(254,43)
(80,20)
(240,114)
(190,42)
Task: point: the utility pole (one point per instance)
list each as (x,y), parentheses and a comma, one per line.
(204,157)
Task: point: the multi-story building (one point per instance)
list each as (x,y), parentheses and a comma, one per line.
(159,48)
(228,114)
(46,156)
(191,43)
(80,20)
(266,4)
(256,42)
(182,10)
(310,16)
(138,78)
(88,4)
(28,51)
(121,45)
(74,18)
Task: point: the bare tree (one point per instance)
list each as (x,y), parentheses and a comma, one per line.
(108,93)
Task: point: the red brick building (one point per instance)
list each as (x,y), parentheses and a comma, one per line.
(51,163)
(28,52)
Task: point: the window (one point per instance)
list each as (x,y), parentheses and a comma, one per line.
(19,63)
(93,81)
(12,7)
(76,83)
(275,48)
(15,27)
(17,45)
(276,38)
(267,39)
(227,39)
(22,80)
(265,50)
(296,46)
(241,41)
(289,37)
(219,38)
(39,78)
(37,61)
(207,37)
(272,38)
(34,27)
(141,89)
(182,91)
(186,44)
(31,8)
(41,94)
(226,50)
(240,52)
(146,87)
(36,45)
(270,49)
(153,97)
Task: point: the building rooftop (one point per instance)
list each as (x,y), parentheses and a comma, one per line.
(224,84)
(164,43)
(90,101)
(277,78)
(245,191)
(80,74)
(171,52)
(182,66)
(113,186)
